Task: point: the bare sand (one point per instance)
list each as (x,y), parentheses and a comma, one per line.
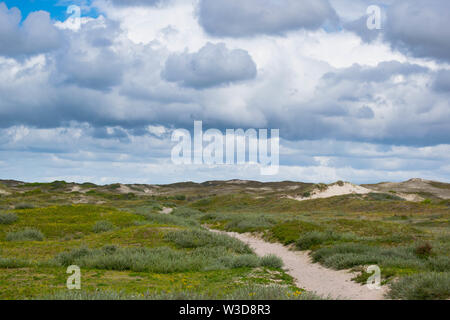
(312,276)
(4,192)
(166,210)
(335,190)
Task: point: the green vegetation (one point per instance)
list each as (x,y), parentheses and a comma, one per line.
(128,249)
(255,292)
(422,286)
(103,226)
(8,218)
(25,235)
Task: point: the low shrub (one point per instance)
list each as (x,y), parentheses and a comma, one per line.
(348,255)
(25,235)
(8,218)
(422,286)
(195,238)
(12,263)
(170,219)
(314,238)
(186,212)
(21,206)
(103,226)
(271,261)
(249,223)
(423,250)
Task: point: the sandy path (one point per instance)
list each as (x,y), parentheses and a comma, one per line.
(312,276)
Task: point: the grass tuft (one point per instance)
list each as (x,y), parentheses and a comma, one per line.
(25,235)
(8,218)
(422,286)
(103,226)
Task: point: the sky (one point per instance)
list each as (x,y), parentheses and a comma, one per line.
(96,96)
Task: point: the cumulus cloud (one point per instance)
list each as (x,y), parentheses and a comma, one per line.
(88,60)
(35,35)
(101,105)
(212,65)
(237,18)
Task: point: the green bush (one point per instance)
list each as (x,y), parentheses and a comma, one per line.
(12,263)
(170,219)
(20,206)
(202,238)
(439,263)
(25,235)
(186,212)
(103,226)
(314,238)
(249,223)
(271,261)
(8,218)
(423,250)
(422,286)
(348,255)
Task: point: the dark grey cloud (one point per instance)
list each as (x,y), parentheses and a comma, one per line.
(87,60)
(237,18)
(442,81)
(212,65)
(421,28)
(359,27)
(101,72)
(35,35)
(365,112)
(415,27)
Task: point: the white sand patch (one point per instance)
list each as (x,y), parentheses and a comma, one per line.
(149,191)
(75,189)
(4,192)
(125,189)
(166,210)
(410,197)
(335,190)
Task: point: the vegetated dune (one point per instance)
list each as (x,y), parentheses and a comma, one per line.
(414,187)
